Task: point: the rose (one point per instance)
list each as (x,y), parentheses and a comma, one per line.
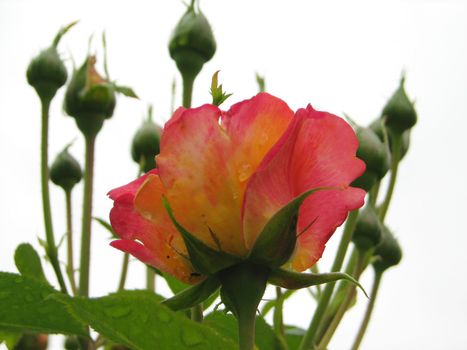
(226,174)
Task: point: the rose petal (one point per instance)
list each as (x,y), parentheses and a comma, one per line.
(318,149)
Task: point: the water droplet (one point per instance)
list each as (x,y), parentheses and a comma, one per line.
(4,294)
(45,293)
(244,172)
(191,337)
(164,316)
(117,311)
(18,279)
(143,317)
(29,298)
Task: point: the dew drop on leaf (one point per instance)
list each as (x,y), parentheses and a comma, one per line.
(191,337)
(164,316)
(117,311)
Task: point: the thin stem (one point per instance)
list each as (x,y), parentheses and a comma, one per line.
(278,318)
(49,233)
(351,291)
(69,240)
(374,193)
(197,313)
(187,90)
(87,215)
(150,279)
(396,148)
(246,330)
(369,310)
(123,274)
(309,337)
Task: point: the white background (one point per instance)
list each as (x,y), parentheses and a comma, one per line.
(341,56)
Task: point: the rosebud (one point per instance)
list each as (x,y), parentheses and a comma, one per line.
(368,230)
(375,155)
(145,145)
(377,127)
(399,112)
(47,73)
(388,253)
(192,43)
(65,170)
(89,98)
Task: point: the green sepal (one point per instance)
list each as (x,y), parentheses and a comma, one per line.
(126,90)
(107,226)
(276,243)
(217,93)
(295,280)
(193,295)
(204,259)
(28,262)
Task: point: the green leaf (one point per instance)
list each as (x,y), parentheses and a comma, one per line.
(107,226)
(26,305)
(226,325)
(125,90)
(294,336)
(276,242)
(138,320)
(269,305)
(294,280)
(203,258)
(193,295)
(28,262)
(175,285)
(10,339)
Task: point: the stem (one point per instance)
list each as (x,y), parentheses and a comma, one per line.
(309,337)
(369,310)
(49,233)
(374,193)
(278,318)
(396,147)
(187,90)
(87,215)
(69,232)
(351,291)
(197,313)
(246,330)
(126,259)
(150,279)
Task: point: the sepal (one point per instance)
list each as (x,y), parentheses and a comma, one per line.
(193,295)
(204,259)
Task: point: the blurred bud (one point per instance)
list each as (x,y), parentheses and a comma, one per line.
(399,112)
(72,343)
(89,98)
(375,155)
(192,43)
(65,170)
(145,145)
(377,127)
(47,72)
(368,230)
(388,253)
(32,342)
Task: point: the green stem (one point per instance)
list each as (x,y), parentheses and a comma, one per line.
(309,337)
(49,233)
(197,313)
(87,215)
(150,279)
(374,193)
(69,232)
(369,310)
(123,274)
(246,330)
(396,148)
(188,82)
(351,291)
(278,318)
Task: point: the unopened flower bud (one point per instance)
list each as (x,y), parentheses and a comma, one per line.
(368,230)
(192,43)
(375,155)
(89,98)
(388,253)
(399,112)
(377,127)
(65,170)
(145,145)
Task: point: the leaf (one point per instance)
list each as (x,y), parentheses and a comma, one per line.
(175,285)
(294,280)
(269,305)
(217,93)
(226,325)
(26,305)
(125,90)
(138,320)
(203,258)
(28,262)
(106,225)
(10,339)
(294,336)
(193,295)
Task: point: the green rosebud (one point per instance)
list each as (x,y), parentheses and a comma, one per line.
(192,43)
(89,98)
(47,73)
(377,127)
(65,170)
(368,229)
(399,112)
(374,153)
(145,145)
(388,253)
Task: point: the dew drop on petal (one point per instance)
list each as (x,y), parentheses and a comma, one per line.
(244,172)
